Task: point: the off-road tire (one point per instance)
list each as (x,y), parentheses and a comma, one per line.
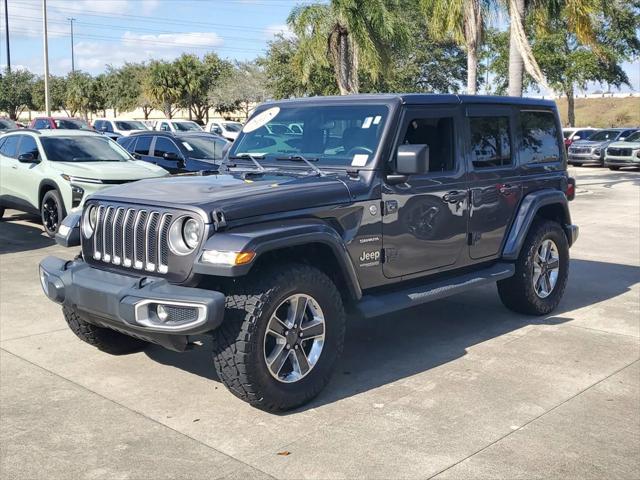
(517,293)
(614,168)
(52,195)
(104,339)
(238,343)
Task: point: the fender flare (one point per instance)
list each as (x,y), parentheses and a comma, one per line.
(529,207)
(266,237)
(44,183)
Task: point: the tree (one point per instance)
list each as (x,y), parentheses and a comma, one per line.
(57,94)
(569,64)
(81,94)
(242,90)
(15,91)
(348,35)
(161,87)
(460,21)
(578,15)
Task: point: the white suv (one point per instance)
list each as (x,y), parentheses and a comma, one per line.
(228,130)
(121,126)
(51,172)
(177,126)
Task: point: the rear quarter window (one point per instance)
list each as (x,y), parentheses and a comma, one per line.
(539,137)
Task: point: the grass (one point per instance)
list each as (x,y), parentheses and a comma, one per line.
(603,112)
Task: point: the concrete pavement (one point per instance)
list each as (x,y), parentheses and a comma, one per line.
(460,388)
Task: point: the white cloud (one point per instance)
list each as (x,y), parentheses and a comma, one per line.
(169,40)
(273,30)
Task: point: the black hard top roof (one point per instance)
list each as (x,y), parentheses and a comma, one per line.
(425,99)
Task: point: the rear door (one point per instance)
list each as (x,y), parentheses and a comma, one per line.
(142,148)
(425,219)
(162,146)
(496,186)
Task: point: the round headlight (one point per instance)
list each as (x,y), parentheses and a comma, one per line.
(89,221)
(191,232)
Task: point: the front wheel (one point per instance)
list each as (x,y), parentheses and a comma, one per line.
(614,168)
(1,212)
(282,334)
(542,270)
(52,212)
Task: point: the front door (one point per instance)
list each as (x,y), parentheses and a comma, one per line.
(425,219)
(496,185)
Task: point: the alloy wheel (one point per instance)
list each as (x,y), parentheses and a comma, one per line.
(546,265)
(294,338)
(50,214)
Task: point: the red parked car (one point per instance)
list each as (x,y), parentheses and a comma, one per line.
(45,123)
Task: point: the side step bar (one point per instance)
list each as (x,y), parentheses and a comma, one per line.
(374,305)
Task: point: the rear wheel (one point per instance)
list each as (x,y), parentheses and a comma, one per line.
(104,339)
(1,212)
(52,212)
(282,334)
(542,270)
(614,168)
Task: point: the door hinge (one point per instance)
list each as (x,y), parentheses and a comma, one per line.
(472,238)
(390,206)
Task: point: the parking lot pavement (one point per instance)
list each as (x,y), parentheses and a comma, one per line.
(460,388)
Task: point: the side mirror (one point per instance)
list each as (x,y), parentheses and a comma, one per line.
(412,159)
(170,156)
(27,158)
(576,138)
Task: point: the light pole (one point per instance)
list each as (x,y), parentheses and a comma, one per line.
(46,58)
(73,64)
(6,29)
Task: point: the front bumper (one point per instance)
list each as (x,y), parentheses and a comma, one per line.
(130,304)
(622,161)
(580,158)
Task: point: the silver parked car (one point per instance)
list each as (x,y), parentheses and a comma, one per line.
(592,149)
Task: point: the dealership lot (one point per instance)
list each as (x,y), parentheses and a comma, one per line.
(460,388)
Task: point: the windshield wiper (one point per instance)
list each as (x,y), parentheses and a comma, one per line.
(300,158)
(250,157)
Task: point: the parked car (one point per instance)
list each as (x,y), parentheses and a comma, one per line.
(572,134)
(178,152)
(177,126)
(7,124)
(52,123)
(123,127)
(385,202)
(226,129)
(625,153)
(51,172)
(592,150)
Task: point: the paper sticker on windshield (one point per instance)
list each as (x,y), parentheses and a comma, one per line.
(359,160)
(376,120)
(367,122)
(187,146)
(261,119)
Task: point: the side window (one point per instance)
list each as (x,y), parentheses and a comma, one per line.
(109,126)
(41,123)
(437,132)
(490,142)
(164,127)
(582,134)
(539,137)
(28,145)
(126,143)
(98,125)
(164,145)
(10,146)
(143,145)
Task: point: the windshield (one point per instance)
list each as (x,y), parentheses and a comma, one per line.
(204,148)
(342,135)
(6,124)
(83,149)
(187,127)
(634,137)
(604,135)
(232,126)
(130,125)
(567,134)
(71,124)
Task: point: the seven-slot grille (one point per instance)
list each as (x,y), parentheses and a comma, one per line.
(581,150)
(133,238)
(619,152)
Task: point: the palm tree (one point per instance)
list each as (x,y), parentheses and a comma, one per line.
(161,86)
(349,36)
(463,22)
(579,14)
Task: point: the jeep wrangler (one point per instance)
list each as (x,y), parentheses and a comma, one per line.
(376,203)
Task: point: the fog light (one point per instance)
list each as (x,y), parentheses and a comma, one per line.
(64,230)
(162,313)
(44,282)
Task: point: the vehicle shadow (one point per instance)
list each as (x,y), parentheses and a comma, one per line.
(22,232)
(384,350)
(606,179)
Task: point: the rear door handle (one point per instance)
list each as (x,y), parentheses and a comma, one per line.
(455,196)
(507,189)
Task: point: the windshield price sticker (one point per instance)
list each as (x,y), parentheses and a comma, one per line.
(261,119)
(359,160)
(187,146)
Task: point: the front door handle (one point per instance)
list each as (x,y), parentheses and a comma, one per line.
(455,196)
(507,189)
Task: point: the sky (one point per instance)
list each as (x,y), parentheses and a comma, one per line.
(112,32)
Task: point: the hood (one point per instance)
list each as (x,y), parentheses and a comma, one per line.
(590,143)
(131,170)
(631,145)
(233,195)
(230,135)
